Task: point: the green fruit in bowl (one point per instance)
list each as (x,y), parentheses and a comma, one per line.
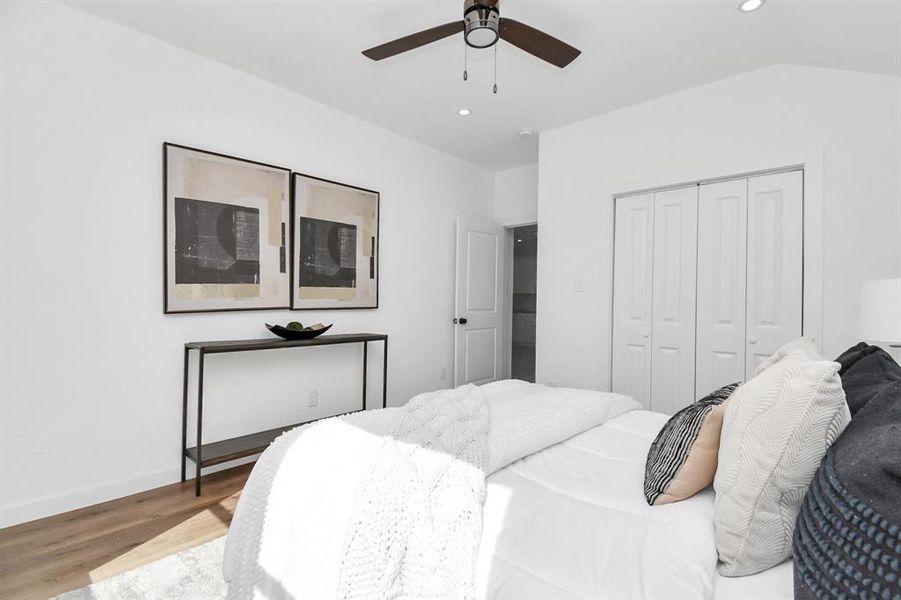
(296,325)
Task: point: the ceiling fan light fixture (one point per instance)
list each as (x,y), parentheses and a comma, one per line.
(750,5)
(482,27)
(481,23)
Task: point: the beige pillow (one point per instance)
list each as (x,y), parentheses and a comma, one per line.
(682,460)
(776,430)
(803,344)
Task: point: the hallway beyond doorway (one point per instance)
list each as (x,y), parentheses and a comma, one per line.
(525,270)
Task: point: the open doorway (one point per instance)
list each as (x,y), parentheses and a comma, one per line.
(525,272)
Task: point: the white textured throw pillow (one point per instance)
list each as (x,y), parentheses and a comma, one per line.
(804,345)
(802,348)
(776,430)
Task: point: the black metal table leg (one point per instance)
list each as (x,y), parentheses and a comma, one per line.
(184,417)
(197,470)
(365,365)
(385,375)
(248,445)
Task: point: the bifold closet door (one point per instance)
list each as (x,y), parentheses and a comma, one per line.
(673,306)
(722,256)
(632,289)
(775,264)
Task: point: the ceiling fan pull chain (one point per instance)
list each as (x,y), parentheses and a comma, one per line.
(495,68)
(465,61)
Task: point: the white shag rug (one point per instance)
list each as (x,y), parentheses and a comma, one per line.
(192,574)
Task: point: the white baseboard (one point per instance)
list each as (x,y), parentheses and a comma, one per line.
(47,506)
(51,505)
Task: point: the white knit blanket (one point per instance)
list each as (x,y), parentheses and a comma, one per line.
(388,503)
(415,530)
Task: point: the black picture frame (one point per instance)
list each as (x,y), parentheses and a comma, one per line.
(183,306)
(331,304)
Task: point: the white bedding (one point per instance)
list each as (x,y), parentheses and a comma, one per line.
(297,522)
(569,521)
(572,522)
(772,584)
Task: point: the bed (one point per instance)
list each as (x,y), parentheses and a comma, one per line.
(566,521)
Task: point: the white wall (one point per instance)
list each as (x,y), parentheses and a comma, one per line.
(516,195)
(849,122)
(90,378)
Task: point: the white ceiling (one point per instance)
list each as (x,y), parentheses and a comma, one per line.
(632,51)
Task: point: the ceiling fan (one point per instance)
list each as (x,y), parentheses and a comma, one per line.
(482,26)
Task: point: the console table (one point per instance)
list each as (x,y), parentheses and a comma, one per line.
(205,455)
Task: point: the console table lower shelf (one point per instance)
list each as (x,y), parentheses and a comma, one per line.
(214,453)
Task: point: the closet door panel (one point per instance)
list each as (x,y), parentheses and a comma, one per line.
(632,296)
(775,247)
(721,284)
(673,306)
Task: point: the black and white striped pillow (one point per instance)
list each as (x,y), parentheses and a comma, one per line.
(682,460)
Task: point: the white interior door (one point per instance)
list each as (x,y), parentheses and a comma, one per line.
(478,350)
(775,246)
(673,322)
(722,253)
(633,258)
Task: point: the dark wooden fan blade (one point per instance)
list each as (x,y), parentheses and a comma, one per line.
(414,40)
(537,43)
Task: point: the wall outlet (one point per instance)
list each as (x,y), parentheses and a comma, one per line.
(442,374)
(313,399)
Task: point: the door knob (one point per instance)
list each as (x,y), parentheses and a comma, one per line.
(645,334)
(460,321)
(752,341)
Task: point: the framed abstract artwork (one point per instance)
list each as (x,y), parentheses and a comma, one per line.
(335,245)
(225,231)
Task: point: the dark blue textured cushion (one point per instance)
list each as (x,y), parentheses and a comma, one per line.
(847,540)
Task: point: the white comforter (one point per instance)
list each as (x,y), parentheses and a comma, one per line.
(569,521)
(288,539)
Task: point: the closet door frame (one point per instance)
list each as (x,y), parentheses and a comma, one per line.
(811,163)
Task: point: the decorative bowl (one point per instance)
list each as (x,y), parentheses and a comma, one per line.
(298,334)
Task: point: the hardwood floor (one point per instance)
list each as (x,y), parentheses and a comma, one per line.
(43,558)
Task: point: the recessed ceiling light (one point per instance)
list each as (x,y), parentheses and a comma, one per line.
(463,112)
(525,133)
(519,241)
(750,5)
